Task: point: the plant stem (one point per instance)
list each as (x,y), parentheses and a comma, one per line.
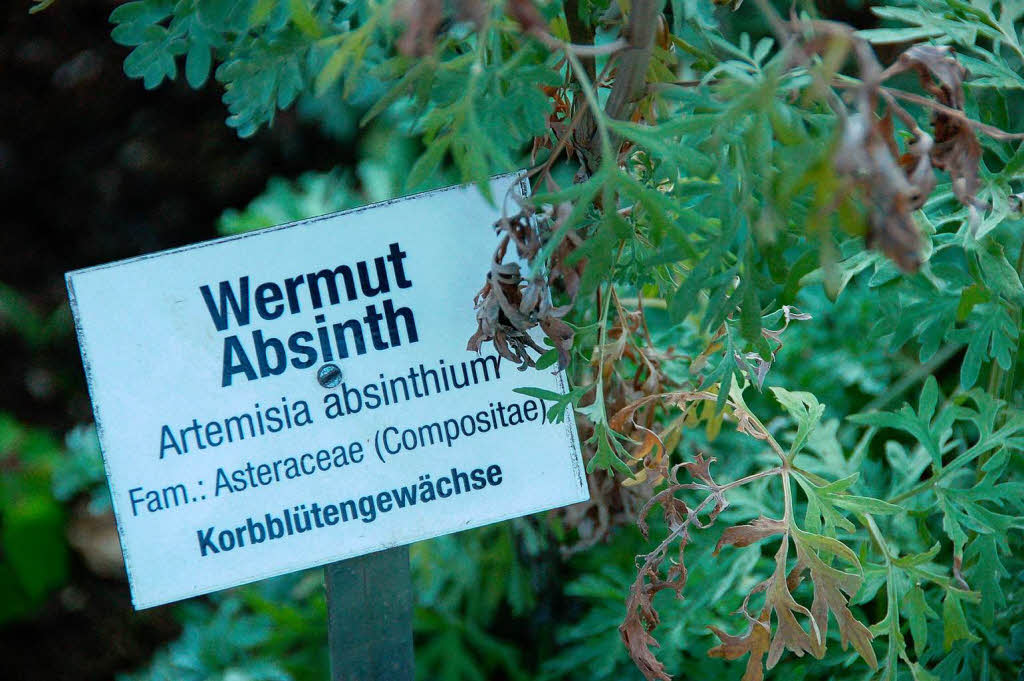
(581,34)
(594,107)
(913,376)
(1011,379)
(752,477)
(990,130)
(629,85)
(914,491)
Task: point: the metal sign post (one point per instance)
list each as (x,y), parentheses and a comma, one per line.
(369,617)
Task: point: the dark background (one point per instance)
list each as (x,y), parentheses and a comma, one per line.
(95,168)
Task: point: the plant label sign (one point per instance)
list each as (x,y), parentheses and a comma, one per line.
(302,394)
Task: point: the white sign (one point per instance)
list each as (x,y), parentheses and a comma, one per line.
(302,394)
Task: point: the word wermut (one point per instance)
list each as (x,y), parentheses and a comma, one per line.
(259,355)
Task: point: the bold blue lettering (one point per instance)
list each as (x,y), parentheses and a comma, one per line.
(219,313)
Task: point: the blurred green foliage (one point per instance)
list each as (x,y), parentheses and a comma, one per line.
(33,550)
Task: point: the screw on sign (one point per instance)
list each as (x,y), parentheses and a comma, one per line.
(329,375)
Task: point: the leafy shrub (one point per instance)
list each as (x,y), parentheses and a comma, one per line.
(700,192)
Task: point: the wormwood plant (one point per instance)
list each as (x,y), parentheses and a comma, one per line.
(692,184)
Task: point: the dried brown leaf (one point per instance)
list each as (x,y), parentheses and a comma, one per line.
(865,155)
(830,585)
(508,306)
(522,231)
(422,19)
(473,11)
(641,616)
(754,642)
(745,535)
(956,148)
(636,635)
(788,632)
(700,468)
(526,15)
(940,73)
(561,334)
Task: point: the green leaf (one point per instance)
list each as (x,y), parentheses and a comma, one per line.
(919,673)
(750,311)
(864,504)
(969,297)
(609,454)
(684,299)
(420,70)
(920,311)
(823,544)
(33,544)
(915,559)
(821,509)
(985,575)
(142,12)
(931,432)
(261,77)
(1000,275)
(331,71)
(40,5)
(991,335)
(548,359)
(954,623)
(153,60)
(197,64)
(916,609)
(304,19)
(887,36)
(805,410)
(556,412)
(427,163)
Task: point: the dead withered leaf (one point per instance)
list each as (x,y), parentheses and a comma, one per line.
(94,535)
(472,11)
(509,306)
(635,630)
(956,149)
(830,585)
(788,632)
(641,616)
(561,334)
(759,640)
(522,232)
(745,535)
(498,315)
(700,468)
(526,15)
(422,19)
(754,642)
(832,590)
(895,184)
(866,155)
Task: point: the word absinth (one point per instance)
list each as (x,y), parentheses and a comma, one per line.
(258,355)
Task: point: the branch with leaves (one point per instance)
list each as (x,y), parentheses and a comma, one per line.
(693,185)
